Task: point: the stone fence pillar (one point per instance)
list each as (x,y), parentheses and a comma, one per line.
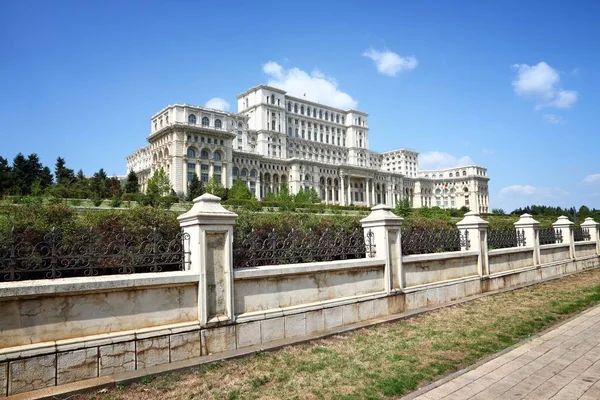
(474,228)
(594,228)
(530,229)
(385,228)
(210,227)
(565,227)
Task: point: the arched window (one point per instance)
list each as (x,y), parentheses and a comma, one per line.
(234,171)
(337,118)
(359,121)
(314,113)
(295,108)
(450,175)
(289,107)
(244,172)
(204,155)
(464,173)
(192,119)
(308,111)
(326,115)
(253,173)
(239,125)
(205,121)
(321,114)
(218,123)
(302,110)
(272,99)
(217,155)
(191,153)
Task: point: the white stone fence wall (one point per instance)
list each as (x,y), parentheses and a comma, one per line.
(54,332)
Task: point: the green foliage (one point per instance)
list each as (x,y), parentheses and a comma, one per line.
(195,188)
(214,186)
(239,191)
(403,208)
(64,176)
(132,184)
(159,186)
(498,211)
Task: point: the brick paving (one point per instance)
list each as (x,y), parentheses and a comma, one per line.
(563,363)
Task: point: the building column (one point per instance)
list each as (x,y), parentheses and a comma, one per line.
(373,196)
(350,200)
(326,193)
(342,190)
(211,169)
(224,174)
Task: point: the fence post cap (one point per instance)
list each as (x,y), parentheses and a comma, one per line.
(472,219)
(381,215)
(207,205)
(562,221)
(525,221)
(589,221)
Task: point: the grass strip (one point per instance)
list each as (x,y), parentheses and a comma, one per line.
(384,361)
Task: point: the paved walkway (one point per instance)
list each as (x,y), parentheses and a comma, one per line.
(561,364)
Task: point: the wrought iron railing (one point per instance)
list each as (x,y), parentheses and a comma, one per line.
(425,241)
(581,234)
(273,248)
(28,255)
(550,236)
(505,238)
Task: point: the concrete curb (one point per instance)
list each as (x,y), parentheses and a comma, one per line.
(68,390)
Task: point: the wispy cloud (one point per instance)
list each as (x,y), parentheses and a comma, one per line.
(554,119)
(541,82)
(316,86)
(217,103)
(440,160)
(592,178)
(390,63)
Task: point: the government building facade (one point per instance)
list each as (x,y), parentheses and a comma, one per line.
(277,139)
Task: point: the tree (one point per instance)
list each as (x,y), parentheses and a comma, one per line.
(239,191)
(195,188)
(115,187)
(498,211)
(132,185)
(403,208)
(214,186)
(284,194)
(64,175)
(302,197)
(28,170)
(100,185)
(6,179)
(159,184)
(313,196)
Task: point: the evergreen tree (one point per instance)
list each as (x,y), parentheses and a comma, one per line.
(28,170)
(100,185)
(6,179)
(115,187)
(239,191)
(64,175)
(284,195)
(302,197)
(132,185)
(195,188)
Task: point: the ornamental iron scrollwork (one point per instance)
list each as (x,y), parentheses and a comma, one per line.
(28,255)
(550,236)
(581,234)
(274,248)
(426,241)
(506,238)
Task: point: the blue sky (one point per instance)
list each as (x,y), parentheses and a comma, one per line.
(508,85)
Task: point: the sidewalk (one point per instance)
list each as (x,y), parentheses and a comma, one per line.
(561,364)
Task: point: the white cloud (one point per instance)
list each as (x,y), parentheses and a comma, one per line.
(554,119)
(536,192)
(390,63)
(440,160)
(317,87)
(592,178)
(541,82)
(217,103)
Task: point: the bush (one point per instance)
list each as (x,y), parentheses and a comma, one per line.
(115,201)
(131,196)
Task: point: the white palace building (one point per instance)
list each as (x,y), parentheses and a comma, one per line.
(275,138)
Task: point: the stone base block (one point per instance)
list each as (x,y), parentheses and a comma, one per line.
(395,304)
(117,358)
(218,339)
(3,379)
(333,317)
(272,329)
(31,374)
(151,352)
(315,321)
(76,365)
(248,334)
(185,346)
(295,325)
(350,314)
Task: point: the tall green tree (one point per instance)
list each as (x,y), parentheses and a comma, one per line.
(214,186)
(27,171)
(64,175)
(100,185)
(159,184)
(132,185)
(239,191)
(195,188)
(6,179)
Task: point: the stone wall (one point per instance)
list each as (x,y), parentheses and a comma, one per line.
(54,332)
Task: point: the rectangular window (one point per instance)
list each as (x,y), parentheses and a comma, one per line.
(192,166)
(217,169)
(204,177)
(190,176)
